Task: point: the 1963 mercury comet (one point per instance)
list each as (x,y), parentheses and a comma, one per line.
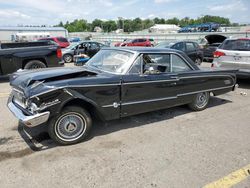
(115,83)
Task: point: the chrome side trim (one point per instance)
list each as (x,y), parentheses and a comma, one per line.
(153,81)
(150,100)
(129,83)
(195,92)
(168,98)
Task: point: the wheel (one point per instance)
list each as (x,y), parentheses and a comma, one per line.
(198,61)
(71,126)
(68,58)
(34,64)
(200,101)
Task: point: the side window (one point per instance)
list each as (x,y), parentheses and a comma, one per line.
(142,40)
(135,40)
(196,45)
(178,64)
(190,46)
(136,68)
(94,46)
(156,63)
(179,46)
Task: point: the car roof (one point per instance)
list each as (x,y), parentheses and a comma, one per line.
(144,49)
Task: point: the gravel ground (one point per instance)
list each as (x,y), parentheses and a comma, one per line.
(169,148)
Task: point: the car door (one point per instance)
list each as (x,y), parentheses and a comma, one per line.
(191,50)
(93,49)
(149,85)
(81,48)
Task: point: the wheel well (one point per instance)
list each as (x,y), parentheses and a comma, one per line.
(86,105)
(28,60)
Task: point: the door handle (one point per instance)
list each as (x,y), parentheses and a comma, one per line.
(174,77)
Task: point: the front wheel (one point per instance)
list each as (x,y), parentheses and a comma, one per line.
(71,126)
(200,101)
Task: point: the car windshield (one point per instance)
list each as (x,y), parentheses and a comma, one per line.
(71,46)
(114,61)
(240,44)
(164,45)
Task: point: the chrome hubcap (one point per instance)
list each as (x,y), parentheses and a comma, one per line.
(202,99)
(198,61)
(70,127)
(68,58)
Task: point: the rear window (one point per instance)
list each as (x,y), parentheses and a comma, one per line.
(241,45)
(62,39)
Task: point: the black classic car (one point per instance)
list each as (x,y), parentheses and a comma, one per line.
(114,84)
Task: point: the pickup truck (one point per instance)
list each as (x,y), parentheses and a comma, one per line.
(29,55)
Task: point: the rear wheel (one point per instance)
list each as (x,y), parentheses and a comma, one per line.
(68,58)
(34,64)
(200,101)
(71,126)
(198,61)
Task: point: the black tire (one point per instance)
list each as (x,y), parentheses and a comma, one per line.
(198,61)
(34,64)
(200,101)
(71,126)
(68,58)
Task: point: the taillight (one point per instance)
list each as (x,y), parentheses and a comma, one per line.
(59,53)
(218,54)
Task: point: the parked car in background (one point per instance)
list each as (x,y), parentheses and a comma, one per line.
(61,41)
(138,42)
(118,44)
(29,55)
(115,83)
(192,49)
(89,48)
(209,44)
(74,39)
(234,53)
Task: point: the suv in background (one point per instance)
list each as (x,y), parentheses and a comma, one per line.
(192,49)
(61,41)
(234,53)
(138,42)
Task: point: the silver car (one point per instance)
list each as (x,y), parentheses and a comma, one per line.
(89,48)
(234,53)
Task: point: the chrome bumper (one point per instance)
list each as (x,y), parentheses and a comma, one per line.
(29,121)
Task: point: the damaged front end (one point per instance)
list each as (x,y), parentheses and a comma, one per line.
(35,95)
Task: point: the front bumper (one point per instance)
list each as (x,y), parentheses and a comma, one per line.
(28,120)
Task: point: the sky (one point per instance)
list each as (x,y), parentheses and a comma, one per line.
(51,12)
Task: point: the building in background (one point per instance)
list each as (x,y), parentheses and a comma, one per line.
(11,34)
(164,28)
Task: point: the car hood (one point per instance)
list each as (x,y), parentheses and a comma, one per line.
(24,79)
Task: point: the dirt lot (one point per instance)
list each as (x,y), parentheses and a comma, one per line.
(169,148)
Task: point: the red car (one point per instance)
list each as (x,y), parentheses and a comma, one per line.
(138,42)
(61,41)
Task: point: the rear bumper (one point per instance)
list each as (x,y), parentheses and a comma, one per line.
(243,73)
(28,120)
